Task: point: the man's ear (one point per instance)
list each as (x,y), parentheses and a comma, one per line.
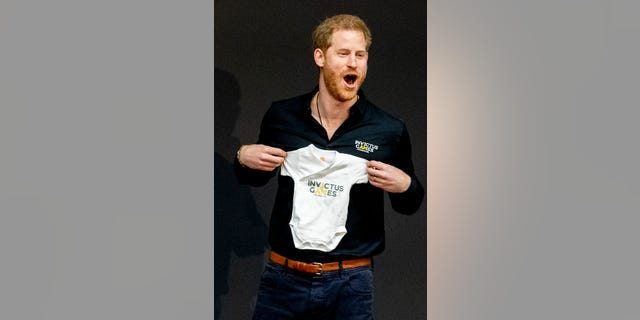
(318,57)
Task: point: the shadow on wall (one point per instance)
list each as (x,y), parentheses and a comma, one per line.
(238,227)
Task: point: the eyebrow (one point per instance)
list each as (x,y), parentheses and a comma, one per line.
(357,51)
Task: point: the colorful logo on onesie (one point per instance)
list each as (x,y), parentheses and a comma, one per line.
(324,189)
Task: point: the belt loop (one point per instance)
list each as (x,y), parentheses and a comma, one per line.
(340,268)
(286,264)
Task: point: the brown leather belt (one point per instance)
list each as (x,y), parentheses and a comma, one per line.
(317,267)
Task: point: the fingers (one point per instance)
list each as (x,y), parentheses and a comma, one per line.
(378,175)
(387,177)
(261,157)
(379,170)
(277,152)
(269,160)
(377,165)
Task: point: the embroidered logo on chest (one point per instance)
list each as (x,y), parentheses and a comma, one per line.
(365,146)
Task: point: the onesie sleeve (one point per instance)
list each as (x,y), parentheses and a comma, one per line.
(361,175)
(287,169)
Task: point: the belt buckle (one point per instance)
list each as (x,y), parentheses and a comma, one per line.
(319,264)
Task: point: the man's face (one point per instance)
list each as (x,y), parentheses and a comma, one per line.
(344,64)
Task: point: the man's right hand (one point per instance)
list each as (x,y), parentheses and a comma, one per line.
(261,157)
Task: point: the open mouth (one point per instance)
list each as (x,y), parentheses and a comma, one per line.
(350,79)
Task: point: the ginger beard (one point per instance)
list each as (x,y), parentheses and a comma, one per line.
(343,87)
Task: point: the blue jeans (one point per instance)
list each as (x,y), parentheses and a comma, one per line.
(287,294)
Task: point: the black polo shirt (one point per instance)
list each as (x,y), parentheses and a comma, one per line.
(368,133)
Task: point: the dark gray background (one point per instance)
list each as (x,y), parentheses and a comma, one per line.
(266,48)
(533,155)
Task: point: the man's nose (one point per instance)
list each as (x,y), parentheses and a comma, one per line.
(352,61)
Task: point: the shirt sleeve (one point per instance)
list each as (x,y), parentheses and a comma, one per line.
(252,177)
(256,178)
(407,202)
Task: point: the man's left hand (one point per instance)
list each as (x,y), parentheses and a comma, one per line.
(387,177)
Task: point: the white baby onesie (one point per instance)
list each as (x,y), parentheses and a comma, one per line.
(322,181)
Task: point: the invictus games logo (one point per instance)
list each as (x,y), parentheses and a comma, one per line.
(365,146)
(323,189)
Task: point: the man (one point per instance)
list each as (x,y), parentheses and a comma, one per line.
(335,154)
